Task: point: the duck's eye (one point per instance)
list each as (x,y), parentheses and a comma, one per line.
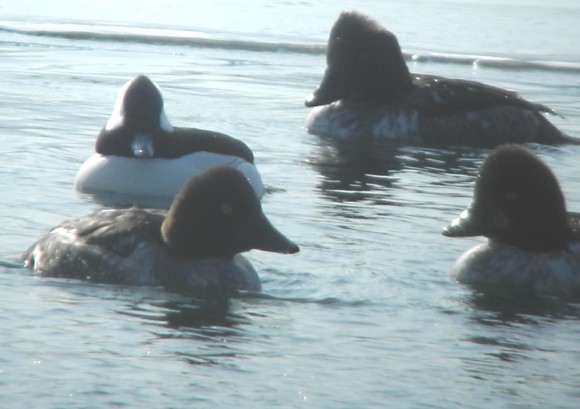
(227,208)
(511,195)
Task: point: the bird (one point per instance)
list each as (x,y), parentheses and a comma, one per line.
(138,152)
(533,242)
(193,245)
(367,91)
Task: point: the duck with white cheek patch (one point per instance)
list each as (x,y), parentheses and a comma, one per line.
(140,153)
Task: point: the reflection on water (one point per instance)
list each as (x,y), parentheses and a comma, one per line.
(354,166)
(209,320)
(203,313)
(519,307)
(210,310)
(512,341)
(355,170)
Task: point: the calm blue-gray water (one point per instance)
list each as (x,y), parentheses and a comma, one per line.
(365,316)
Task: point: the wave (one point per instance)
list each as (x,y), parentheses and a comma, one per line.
(153,36)
(110,33)
(494,62)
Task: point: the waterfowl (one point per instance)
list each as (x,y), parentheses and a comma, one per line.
(368,92)
(533,243)
(140,153)
(196,244)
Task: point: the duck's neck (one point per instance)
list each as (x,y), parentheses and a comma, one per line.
(401,84)
(188,240)
(390,85)
(542,237)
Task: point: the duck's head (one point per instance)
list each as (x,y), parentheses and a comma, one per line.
(217,214)
(364,64)
(517,200)
(138,116)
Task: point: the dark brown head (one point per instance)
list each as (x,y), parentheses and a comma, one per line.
(217,215)
(364,64)
(517,200)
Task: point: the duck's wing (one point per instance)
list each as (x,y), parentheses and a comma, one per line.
(116,231)
(435,96)
(183,141)
(172,145)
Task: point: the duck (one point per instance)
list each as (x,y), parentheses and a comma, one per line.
(196,244)
(367,91)
(533,242)
(139,152)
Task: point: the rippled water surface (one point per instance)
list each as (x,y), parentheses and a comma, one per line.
(365,316)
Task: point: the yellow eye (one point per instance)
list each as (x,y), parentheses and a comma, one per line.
(227,208)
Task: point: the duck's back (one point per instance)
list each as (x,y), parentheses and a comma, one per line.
(439,111)
(102,246)
(462,112)
(124,247)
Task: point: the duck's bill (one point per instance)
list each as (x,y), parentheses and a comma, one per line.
(142,146)
(267,238)
(467,224)
(331,89)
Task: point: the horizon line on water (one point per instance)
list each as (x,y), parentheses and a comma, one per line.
(190,38)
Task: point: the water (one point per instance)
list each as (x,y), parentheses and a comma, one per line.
(365,316)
